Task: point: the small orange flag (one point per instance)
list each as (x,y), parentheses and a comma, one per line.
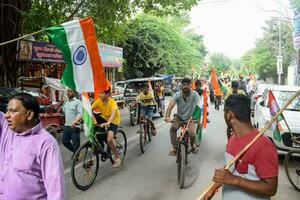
(193,84)
(214,82)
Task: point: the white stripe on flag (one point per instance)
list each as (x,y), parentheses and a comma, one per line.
(82,73)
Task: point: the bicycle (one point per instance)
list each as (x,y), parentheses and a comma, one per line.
(86,158)
(183,146)
(146,131)
(292,166)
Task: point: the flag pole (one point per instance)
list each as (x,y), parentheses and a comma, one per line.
(22,37)
(252,142)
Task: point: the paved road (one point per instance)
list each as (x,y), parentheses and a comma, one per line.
(152,175)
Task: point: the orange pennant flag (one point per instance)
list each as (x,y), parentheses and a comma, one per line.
(214,82)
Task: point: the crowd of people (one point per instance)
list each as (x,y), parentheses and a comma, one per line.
(31,161)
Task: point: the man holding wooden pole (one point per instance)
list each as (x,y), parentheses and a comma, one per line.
(255,174)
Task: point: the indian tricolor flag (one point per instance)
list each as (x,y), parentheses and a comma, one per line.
(197,116)
(274,108)
(215,83)
(87,116)
(77,41)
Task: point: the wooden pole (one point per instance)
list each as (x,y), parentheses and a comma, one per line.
(22,37)
(252,142)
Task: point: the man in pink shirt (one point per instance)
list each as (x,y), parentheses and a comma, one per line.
(30,161)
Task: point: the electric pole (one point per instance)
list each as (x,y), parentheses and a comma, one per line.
(279,57)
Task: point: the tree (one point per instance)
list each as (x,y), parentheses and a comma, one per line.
(27,16)
(11,27)
(154,43)
(219,61)
(109,16)
(262,59)
(295,4)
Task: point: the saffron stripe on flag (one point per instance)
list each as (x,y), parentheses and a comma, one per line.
(95,59)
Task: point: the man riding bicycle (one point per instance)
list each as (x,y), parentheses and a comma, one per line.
(147,102)
(109,119)
(186,100)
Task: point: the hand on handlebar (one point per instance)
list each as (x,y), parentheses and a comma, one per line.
(104,125)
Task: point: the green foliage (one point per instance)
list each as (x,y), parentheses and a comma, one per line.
(155,43)
(220,62)
(109,16)
(262,59)
(295,4)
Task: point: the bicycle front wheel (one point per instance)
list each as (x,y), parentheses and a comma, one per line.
(120,142)
(292,168)
(143,138)
(181,162)
(150,131)
(85,166)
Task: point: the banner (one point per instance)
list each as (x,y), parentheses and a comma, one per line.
(111,56)
(38,52)
(32,51)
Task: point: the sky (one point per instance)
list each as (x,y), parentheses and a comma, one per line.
(232,26)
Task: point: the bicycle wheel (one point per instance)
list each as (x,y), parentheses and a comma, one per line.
(181,162)
(84,166)
(143,138)
(120,141)
(292,168)
(149,131)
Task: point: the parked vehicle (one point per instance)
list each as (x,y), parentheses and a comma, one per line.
(133,88)
(120,87)
(260,88)
(292,115)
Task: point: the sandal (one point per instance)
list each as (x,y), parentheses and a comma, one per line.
(173,153)
(154,132)
(194,149)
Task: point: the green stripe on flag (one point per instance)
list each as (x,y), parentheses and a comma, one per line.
(197,113)
(88,120)
(58,36)
(276,133)
(199,133)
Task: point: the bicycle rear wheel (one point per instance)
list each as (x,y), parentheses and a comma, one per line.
(84,166)
(120,141)
(181,163)
(143,138)
(292,168)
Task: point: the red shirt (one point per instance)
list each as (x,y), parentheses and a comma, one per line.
(262,155)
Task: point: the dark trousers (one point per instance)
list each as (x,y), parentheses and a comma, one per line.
(71,138)
(217,102)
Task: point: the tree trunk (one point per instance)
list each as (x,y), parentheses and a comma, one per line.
(10,26)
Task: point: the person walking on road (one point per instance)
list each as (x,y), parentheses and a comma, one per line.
(255,175)
(186,100)
(30,159)
(233,90)
(72,109)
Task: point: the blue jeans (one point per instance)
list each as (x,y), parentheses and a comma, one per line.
(71,138)
(147,111)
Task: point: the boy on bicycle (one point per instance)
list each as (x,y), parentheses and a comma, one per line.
(147,102)
(109,119)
